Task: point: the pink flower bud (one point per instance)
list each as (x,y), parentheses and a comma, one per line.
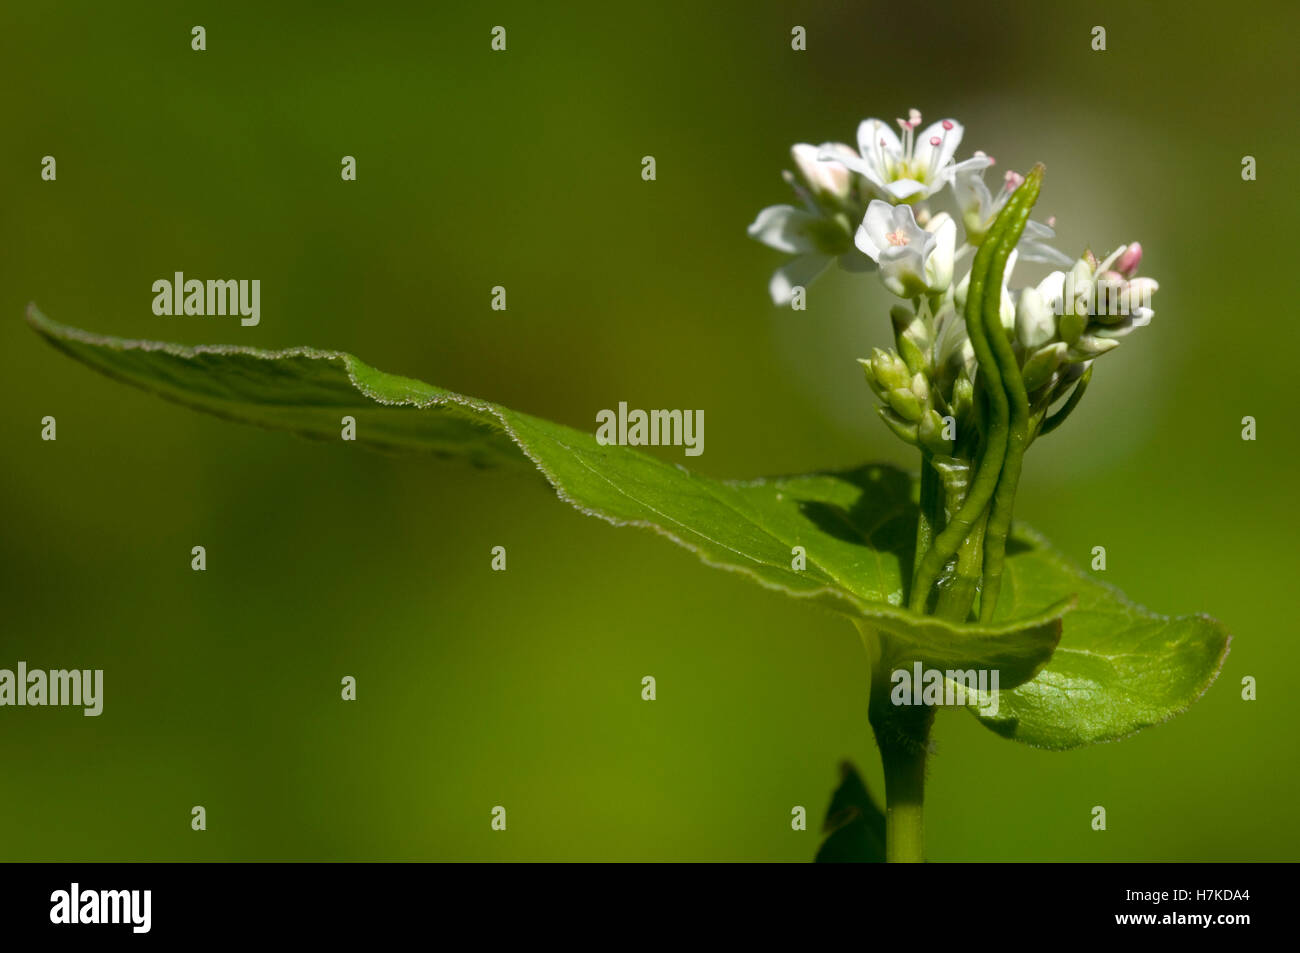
(1127,264)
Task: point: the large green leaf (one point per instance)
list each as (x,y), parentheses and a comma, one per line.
(1119,667)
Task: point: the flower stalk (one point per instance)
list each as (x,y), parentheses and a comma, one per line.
(978,372)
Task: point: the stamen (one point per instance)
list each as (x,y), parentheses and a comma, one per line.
(896,238)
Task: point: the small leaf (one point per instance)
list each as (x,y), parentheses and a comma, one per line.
(1118,667)
(855,826)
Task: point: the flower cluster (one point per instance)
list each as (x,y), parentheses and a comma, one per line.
(979,369)
(871,208)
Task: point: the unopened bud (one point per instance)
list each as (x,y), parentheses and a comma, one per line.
(912,337)
(890,370)
(1035,322)
(930,434)
(826,177)
(1071,325)
(870,373)
(906,404)
(1128,261)
(1137,294)
(902,429)
(1042,364)
(1089,346)
(963,395)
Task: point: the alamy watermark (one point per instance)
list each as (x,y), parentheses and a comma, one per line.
(934,686)
(73,687)
(74,906)
(212,297)
(654,428)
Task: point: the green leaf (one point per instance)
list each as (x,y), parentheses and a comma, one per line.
(855,826)
(1121,668)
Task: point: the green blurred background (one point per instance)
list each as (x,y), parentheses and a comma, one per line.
(523,169)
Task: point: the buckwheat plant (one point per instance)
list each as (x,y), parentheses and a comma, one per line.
(955,604)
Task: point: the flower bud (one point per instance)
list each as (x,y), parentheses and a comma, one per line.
(890,370)
(1035,322)
(826,177)
(1089,346)
(912,337)
(1071,325)
(870,372)
(963,396)
(1137,295)
(902,429)
(1042,364)
(930,434)
(906,404)
(1128,261)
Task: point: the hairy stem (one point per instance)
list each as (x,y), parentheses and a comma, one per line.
(905,806)
(903,734)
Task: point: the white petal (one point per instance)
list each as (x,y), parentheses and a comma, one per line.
(1035,323)
(1052,289)
(799,272)
(1035,229)
(938,268)
(1032,250)
(973,164)
(853,162)
(901,270)
(876,224)
(781,227)
(905,188)
(936,157)
(829,175)
(1110,259)
(1007,310)
(870,132)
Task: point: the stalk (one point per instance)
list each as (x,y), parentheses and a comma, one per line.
(903,736)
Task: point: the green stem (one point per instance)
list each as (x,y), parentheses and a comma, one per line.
(930,517)
(904,806)
(903,736)
(996,415)
(957,597)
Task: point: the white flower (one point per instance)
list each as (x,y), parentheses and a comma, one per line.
(979,207)
(912,260)
(907,169)
(828,178)
(1118,294)
(813,239)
